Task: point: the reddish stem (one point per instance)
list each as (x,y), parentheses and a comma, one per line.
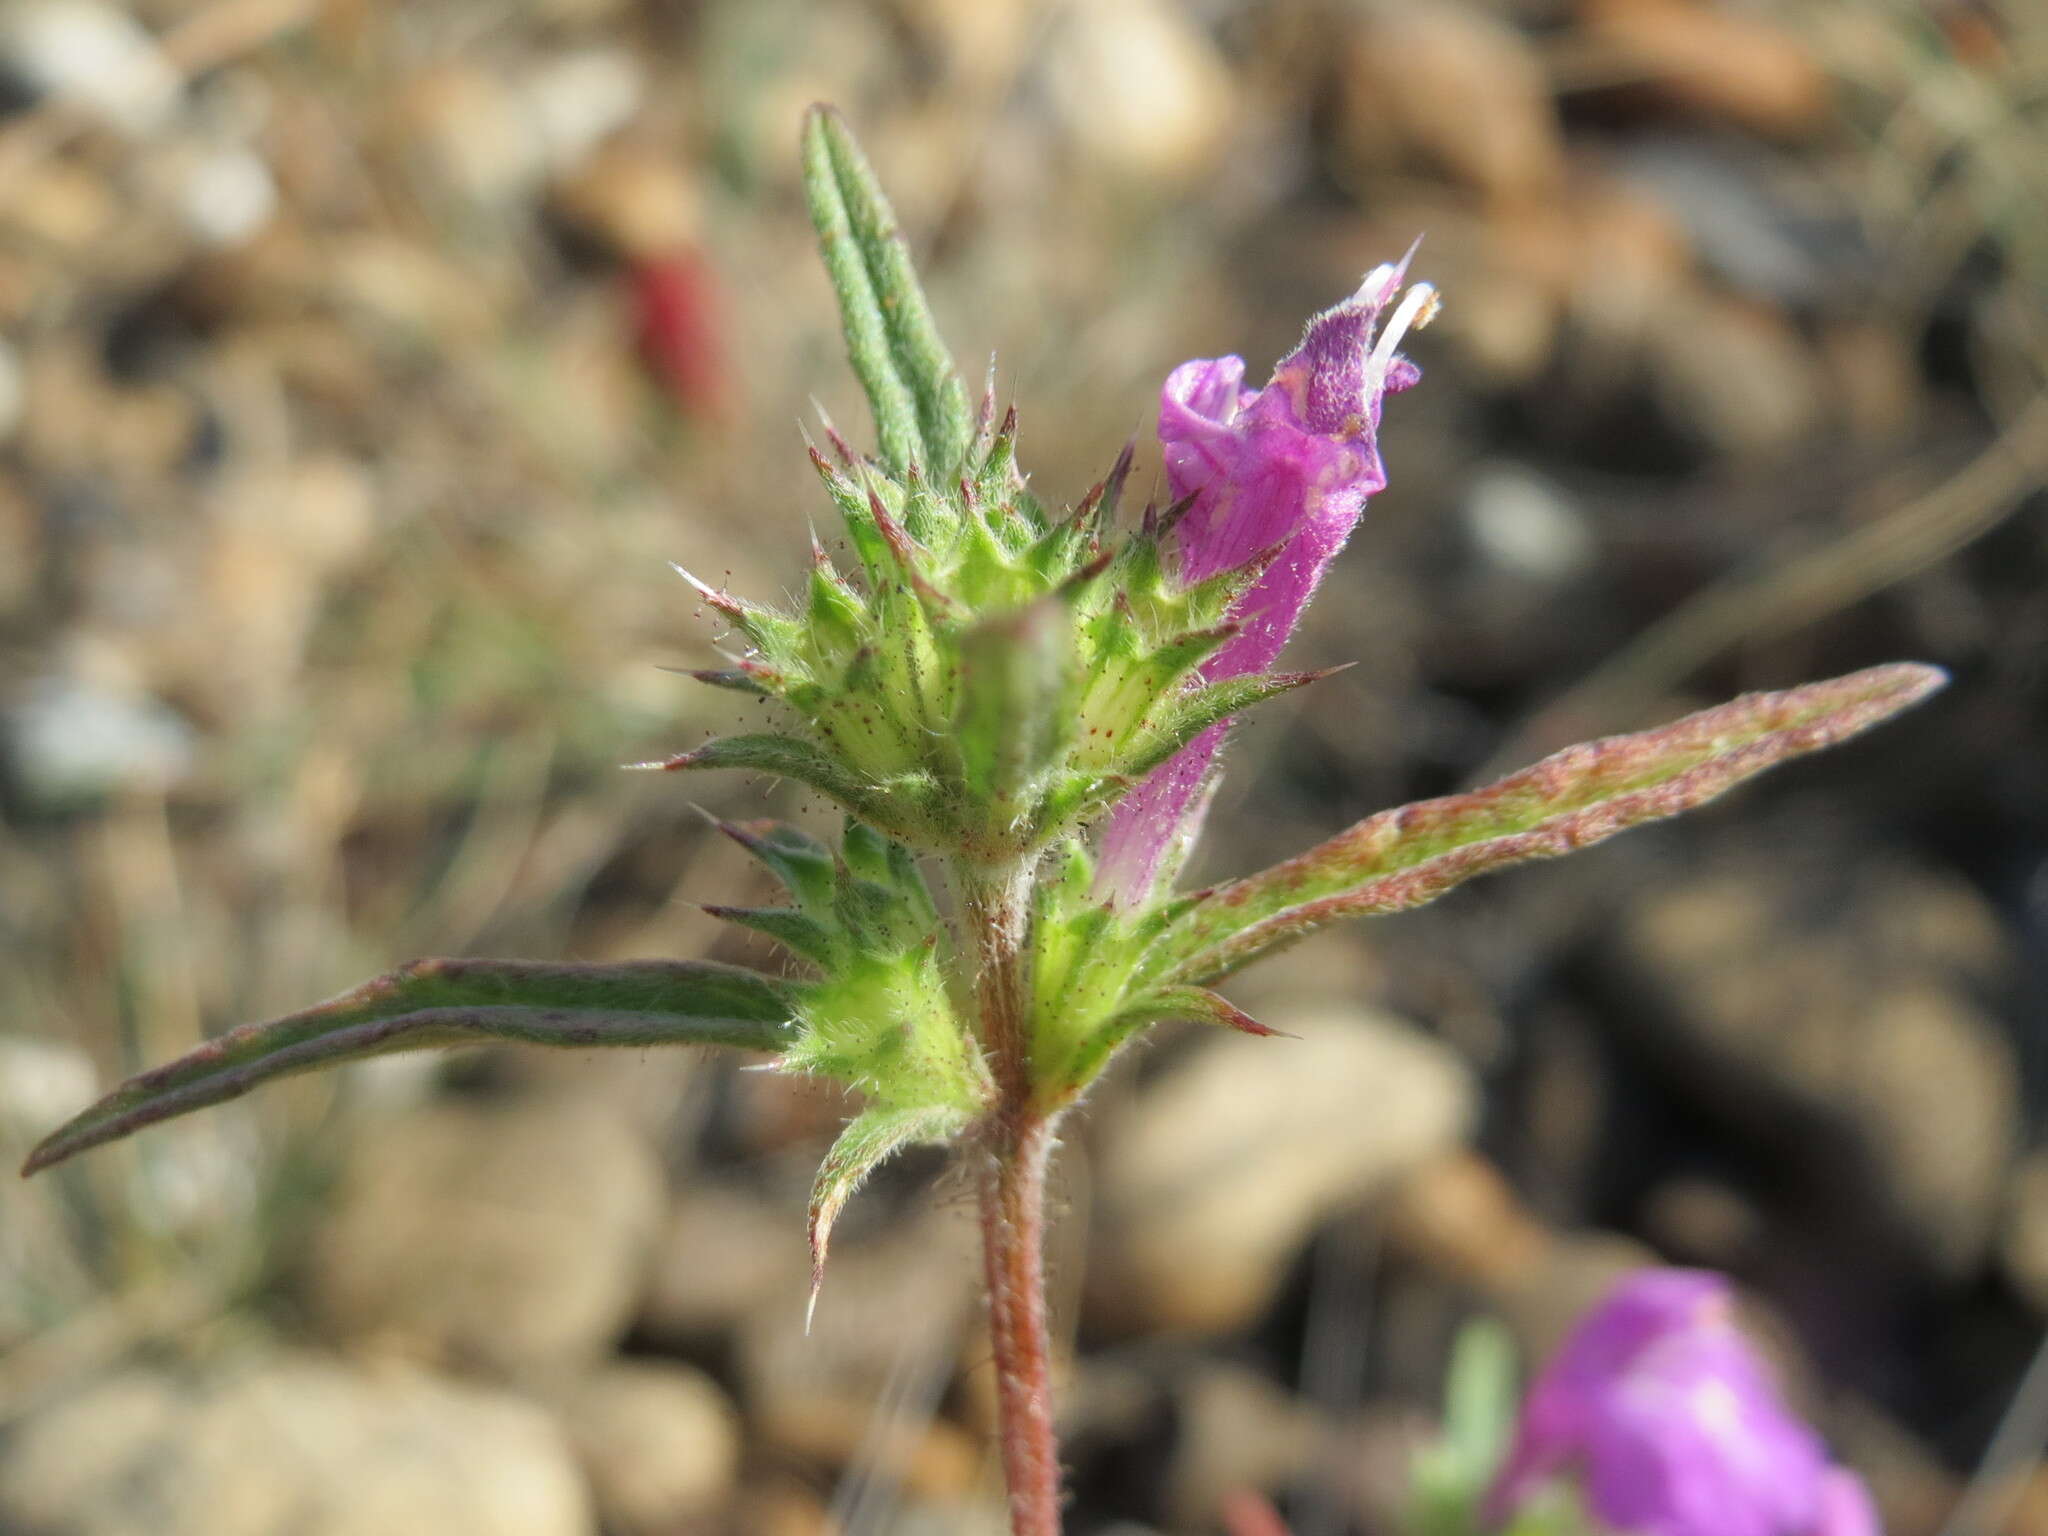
(1013,1246)
(1017,1144)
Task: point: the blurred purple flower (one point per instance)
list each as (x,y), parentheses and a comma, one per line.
(1286,468)
(1662,1414)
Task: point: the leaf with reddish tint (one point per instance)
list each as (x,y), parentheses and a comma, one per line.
(449,1002)
(1413,854)
(870,1139)
(1167,1004)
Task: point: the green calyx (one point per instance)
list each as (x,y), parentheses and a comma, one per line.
(989,674)
(975,674)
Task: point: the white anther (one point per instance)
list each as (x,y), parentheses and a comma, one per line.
(1418,308)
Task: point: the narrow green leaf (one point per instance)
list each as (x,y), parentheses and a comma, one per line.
(802,936)
(1480,1389)
(1195,1005)
(870,1139)
(1451,1476)
(804,865)
(787,757)
(1413,854)
(1208,704)
(920,408)
(449,1002)
(738,679)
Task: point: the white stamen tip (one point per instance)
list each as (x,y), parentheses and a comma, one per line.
(1418,307)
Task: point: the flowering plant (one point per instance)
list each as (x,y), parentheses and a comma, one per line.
(1655,1417)
(1027,700)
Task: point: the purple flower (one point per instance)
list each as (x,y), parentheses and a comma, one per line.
(1660,1412)
(1286,468)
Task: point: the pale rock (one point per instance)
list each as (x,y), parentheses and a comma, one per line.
(782,1508)
(1721,60)
(511,1236)
(296,1443)
(1746,231)
(979,40)
(1704,1222)
(1524,524)
(659,1441)
(1734,375)
(1140,89)
(43,1083)
(949,1517)
(64,205)
(23,538)
(723,1249)
(96,56)
(494,138)
(282,532)
(887,1334)
(1458,1217)
(1459,1220)
(1514,273)
(577,100)
(11,388)
(226,195)
(320,506)
(68,742)
(470,131)
(1505,327)
(909,1454)
(1857,1001)
(1873,379)
(577,13)
(1630,263)
(1213,1175)
(1238,1430)
(1452,86)
(636,203)
(383,282)
(201,1177)
(2023,1230)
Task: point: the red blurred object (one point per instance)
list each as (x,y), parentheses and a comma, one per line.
(1248,1514)
(676,309)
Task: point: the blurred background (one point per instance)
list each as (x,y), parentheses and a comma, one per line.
(362,364)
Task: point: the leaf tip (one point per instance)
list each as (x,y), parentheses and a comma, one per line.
(1917,680)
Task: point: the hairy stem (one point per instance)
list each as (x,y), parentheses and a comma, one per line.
(996,905)
(1016,1146)
(1013,1250)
